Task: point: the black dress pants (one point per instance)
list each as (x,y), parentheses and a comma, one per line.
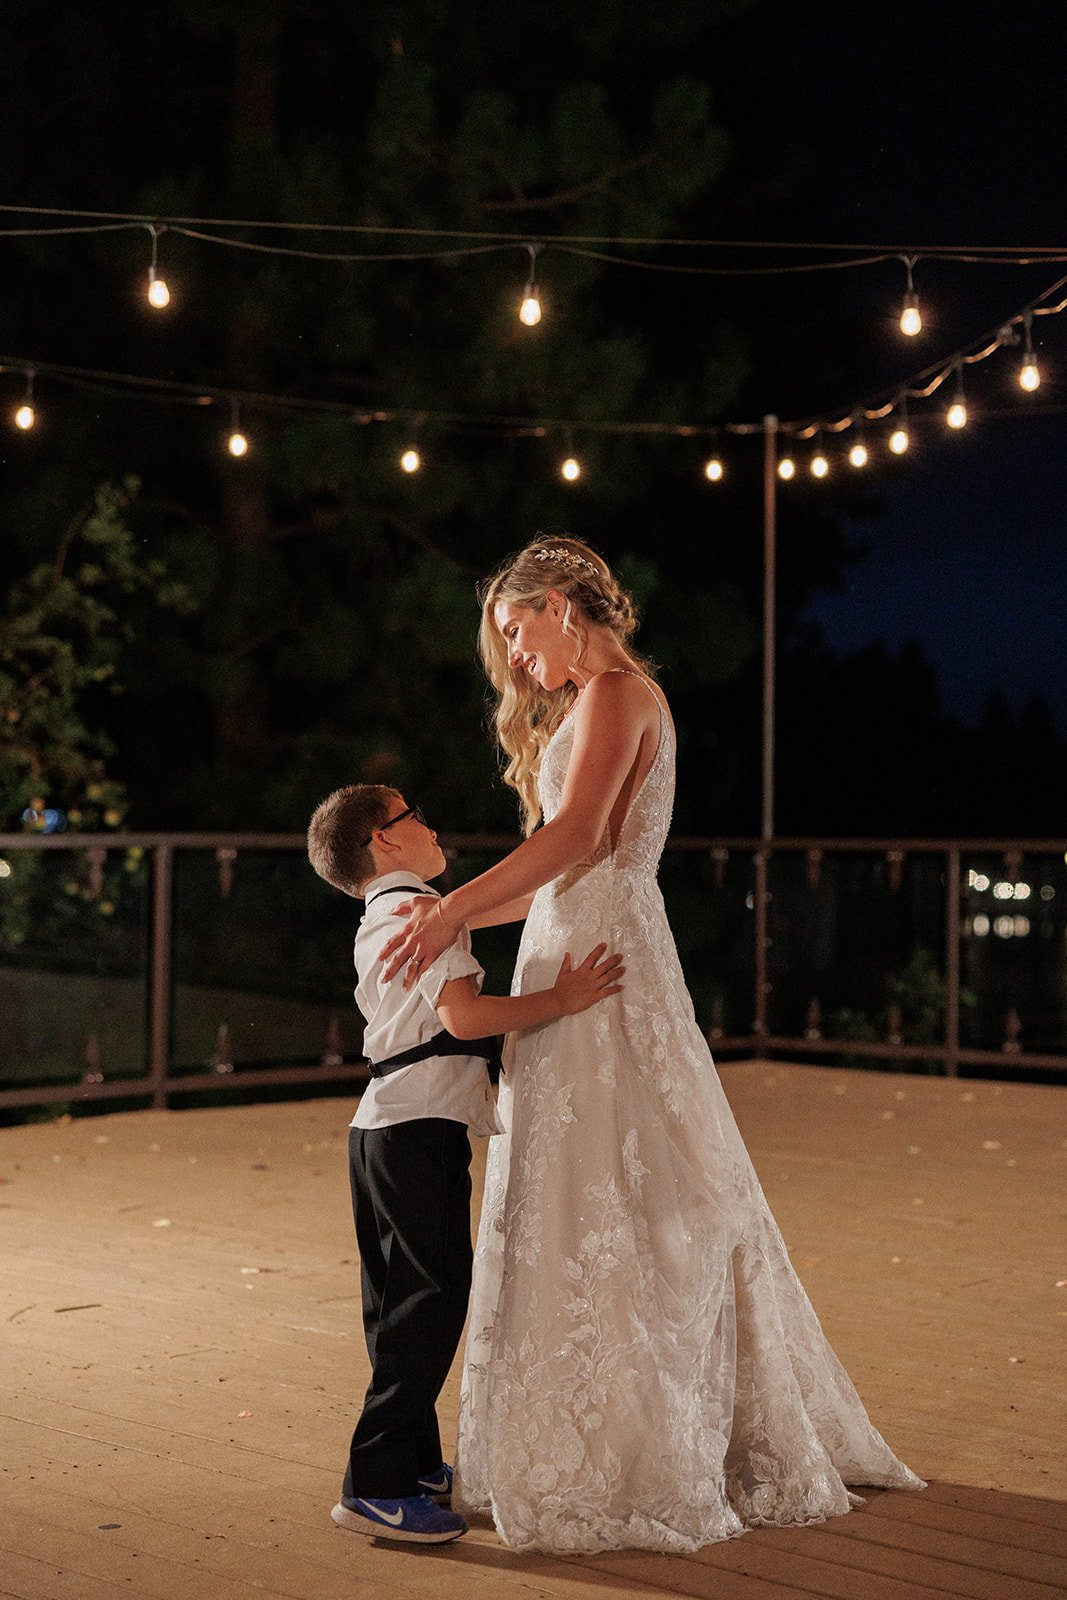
(411,1194)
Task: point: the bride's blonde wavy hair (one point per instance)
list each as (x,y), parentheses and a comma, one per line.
(526,716)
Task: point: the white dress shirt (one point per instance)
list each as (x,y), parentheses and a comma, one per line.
(454,1087)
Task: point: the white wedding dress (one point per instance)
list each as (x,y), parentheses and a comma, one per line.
(643,1367)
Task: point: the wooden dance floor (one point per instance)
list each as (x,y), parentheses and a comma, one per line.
(181,1359)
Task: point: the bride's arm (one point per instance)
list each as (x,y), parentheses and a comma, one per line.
(514,911)
(609,721)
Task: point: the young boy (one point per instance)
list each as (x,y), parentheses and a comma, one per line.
(409,1152)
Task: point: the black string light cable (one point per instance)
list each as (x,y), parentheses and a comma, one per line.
(441,244)
(482,241)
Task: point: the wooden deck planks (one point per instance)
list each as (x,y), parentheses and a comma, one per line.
(127,1411)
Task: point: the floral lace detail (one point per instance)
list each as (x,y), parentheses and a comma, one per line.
(644,1369)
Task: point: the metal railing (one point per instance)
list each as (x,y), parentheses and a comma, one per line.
(158,966)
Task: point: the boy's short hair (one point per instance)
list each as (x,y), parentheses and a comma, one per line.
(338,830)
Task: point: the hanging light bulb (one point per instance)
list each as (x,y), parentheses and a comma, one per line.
(911,321)
(820,467)
(787,468)
(956,415)
(236,442)
(25,416)
(410,461)
(158,292)
(858,456)
(571,469)
(1029,375)
(713,470)
(530,310)
(899,440)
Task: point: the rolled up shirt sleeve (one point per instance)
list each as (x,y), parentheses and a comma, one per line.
(455,962)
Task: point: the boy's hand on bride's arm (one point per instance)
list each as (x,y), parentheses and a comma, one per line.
(578,988)
(424,936)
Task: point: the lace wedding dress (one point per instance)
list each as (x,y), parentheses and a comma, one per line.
(643,1368)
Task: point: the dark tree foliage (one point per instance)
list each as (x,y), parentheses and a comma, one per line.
(327,625)
(333,600)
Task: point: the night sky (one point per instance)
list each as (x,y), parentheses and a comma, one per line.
(948,123)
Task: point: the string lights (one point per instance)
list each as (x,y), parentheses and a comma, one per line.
(1029,376)
(436,244)
(237,441)
(25,415)
(890,410)
(158,291)
(899,438)
(530,310)
(911,321)
(956,415)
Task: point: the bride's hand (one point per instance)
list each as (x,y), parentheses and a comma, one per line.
(424,936)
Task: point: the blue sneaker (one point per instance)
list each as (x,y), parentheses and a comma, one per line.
(438,1485)
(416,1519)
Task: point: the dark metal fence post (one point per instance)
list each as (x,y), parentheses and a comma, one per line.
(952,964)
(159,970)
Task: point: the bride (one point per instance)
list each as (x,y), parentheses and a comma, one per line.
(643,1368)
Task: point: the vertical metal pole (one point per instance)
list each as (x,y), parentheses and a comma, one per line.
(952,964)
(762,863)
(770,479)
(159,979)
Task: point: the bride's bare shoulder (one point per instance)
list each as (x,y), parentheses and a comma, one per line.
(619,694)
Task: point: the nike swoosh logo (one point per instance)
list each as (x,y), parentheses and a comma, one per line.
(394,1518)
(434,1488)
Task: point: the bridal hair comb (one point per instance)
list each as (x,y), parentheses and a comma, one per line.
(565,558)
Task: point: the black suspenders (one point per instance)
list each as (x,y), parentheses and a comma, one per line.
(442,1043)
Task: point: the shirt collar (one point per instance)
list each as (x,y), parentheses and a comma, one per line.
(389,880)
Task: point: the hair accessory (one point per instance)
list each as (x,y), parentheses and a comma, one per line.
(566,558)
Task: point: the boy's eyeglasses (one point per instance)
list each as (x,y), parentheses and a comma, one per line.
(412,811)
